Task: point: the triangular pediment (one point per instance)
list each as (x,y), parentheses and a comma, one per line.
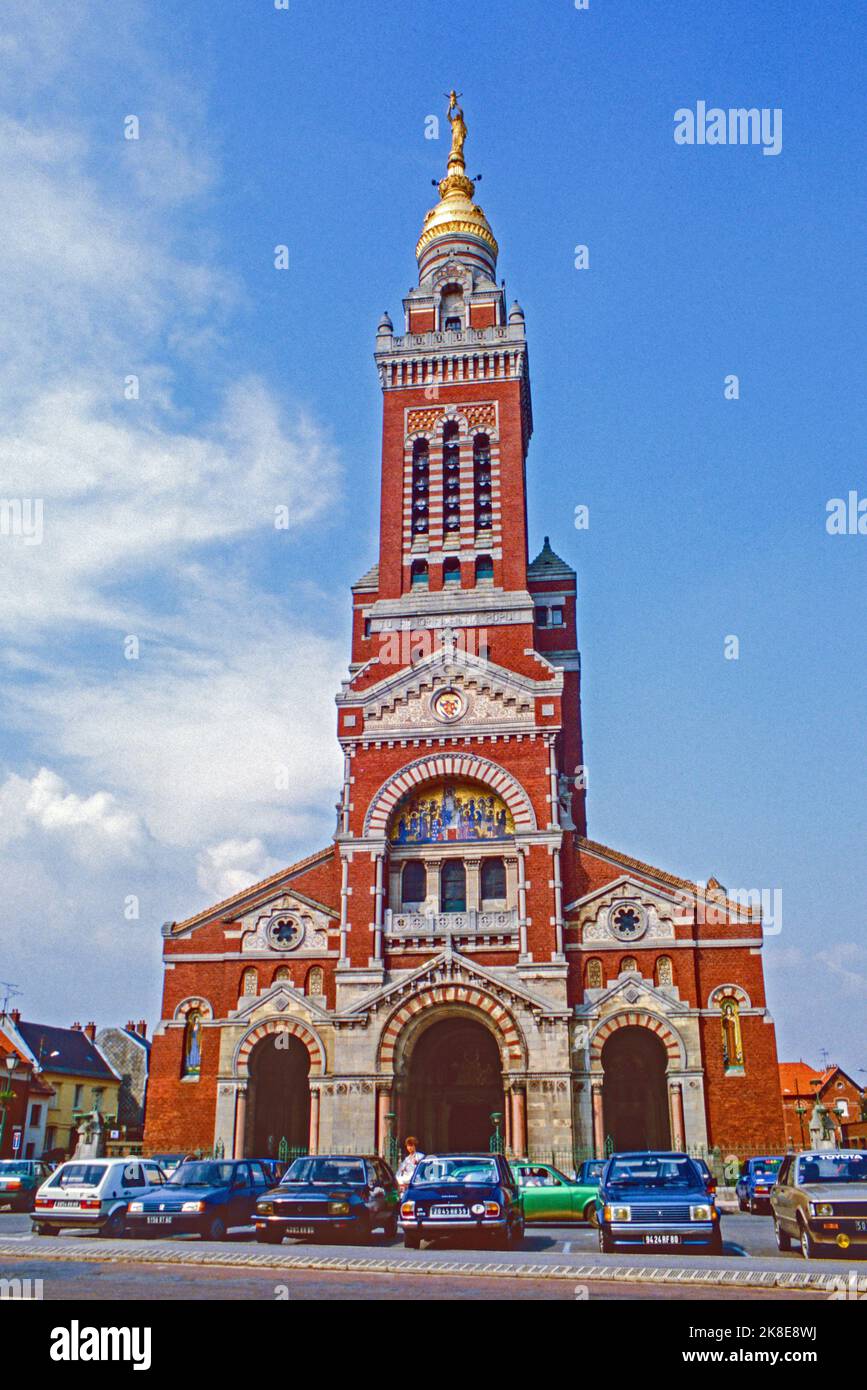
(281,998)
(450,967)
(627,910)
(631,991)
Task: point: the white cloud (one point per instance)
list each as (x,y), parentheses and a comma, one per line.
(90,827)
(232,866)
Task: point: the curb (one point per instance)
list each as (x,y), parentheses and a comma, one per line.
(119,1252)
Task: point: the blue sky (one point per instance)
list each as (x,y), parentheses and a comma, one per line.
(154,779)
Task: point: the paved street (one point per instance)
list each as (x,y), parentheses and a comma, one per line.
(89,1267)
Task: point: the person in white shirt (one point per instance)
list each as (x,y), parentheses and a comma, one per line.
(408,1163)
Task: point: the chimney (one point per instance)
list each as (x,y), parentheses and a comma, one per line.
(15,1015)
(130,1026)
(76,1028)
(90,1031)
(142,1029)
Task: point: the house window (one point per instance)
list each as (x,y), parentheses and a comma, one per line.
(594,973)
(413,883)
(556,617)
(452,308)
(316,980)
(482,494)
(367,627)
(35,1114)
(250,982)
(842,1108)
(453,325)
(453,886)
(664,971)
(541,617)
(418,575)
(98,1094)
(493,878)
(77,1096)
(451,478)
(484,570)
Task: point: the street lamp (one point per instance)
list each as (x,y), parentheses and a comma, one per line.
(800,1111)
(11,1062)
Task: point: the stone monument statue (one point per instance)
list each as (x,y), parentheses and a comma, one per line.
(90,1136)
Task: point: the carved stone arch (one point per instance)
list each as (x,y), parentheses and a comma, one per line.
(452,415)
(436,767)
(295,1028)
(191,1005)
(639,1018)
(433,1003)
(729,991)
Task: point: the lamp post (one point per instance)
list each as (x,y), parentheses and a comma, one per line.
(800,1111)
(11,1062)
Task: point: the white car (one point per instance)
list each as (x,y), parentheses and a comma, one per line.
(93,1194)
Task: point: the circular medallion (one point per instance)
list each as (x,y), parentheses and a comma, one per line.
(627,920)
(448,706)
(284,933)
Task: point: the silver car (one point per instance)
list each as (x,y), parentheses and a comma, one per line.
(820,1200)
(92,1194)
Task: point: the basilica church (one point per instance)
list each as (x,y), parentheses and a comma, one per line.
(462,962)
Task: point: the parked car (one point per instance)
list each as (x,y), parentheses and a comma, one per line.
(168,1162)
(548,1195)
(336,1196)
(463,1195)
(820,1200)
(709,1179)
(93,1194)
(755,1180)
(20,1179)
(656,1200)
(204,1197)
(274,1169)
(590,1172)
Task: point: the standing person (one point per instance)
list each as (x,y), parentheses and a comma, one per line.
(408,1163)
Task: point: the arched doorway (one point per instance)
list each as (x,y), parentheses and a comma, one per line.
(634,1090)
(452,1085)
(278,1105)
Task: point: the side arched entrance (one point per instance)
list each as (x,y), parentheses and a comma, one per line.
(278,1101)
(635,1091)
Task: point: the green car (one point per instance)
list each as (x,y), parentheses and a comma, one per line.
(548,1195)
(19,1180)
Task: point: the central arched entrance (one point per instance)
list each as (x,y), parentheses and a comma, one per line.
(278,1104)
(634,1090)
(452,1086)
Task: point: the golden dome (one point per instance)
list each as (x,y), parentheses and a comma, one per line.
(456,214)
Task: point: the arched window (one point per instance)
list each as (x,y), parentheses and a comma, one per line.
(732,1043)
(420,486)
(418,575)
(484,569)
(593,973)
(628,963)
(452,309)
(316,980)
(452,572)
(451,478)
(192,1059)
(482,496)
(664,971)
(413,883)
(453,886)
(282,973)
(250,981)
(493,879)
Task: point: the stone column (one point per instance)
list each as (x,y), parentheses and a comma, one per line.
(383,1106)
(675,1098)
(379,860)
(474,899)
(344,912)
(313,1142)
(552,776)
(432,869)
(558,904)
(522,907)
(240,1119)
(598,1120)
(519,1121)
(507,1121)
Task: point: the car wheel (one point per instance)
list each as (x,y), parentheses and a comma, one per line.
(269,1237)
(115,1226)
(715,1244)
(215,1230)
(360,1233)
(784,1242)
(591,1214)
(411,1240)
(809,1249)
(606,1244)
(515,1236)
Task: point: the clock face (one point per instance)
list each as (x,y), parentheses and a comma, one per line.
(448,705)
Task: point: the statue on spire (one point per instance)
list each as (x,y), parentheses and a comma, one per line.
(459,129)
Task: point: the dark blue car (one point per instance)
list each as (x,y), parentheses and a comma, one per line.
(463,1195)
(330,1197)
(753,1187)
(658,1201)
(203,1197)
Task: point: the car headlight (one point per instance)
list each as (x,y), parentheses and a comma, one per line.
(338,1208)
(478,1209)
(265,1208)
(193,1206)
(701,1213)
(136,1206)
(821,1209)
(617,1213)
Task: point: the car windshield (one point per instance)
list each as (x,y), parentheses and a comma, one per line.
(766,1167)
(79,1175)
(593,1170)
(9,1168)
(474,1171)
(203,1175)
(833,1168)
(653,1172)
(324,1170)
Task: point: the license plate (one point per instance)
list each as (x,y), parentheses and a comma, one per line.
(67,1206)
(294,1230)
(159,1220)
(661,1238)
(443,1213)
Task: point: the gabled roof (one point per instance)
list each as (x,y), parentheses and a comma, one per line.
(369,580)
(67,1050)
(548,565)
(661,875)
(799,1079)
(249,895)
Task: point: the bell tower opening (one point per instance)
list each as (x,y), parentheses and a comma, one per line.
(453,1085)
